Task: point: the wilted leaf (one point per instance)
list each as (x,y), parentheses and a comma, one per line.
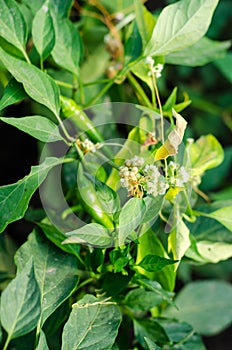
(170,147)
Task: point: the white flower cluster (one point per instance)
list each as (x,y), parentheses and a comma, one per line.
(156,70)
(87,145)
(155,183)
(178,175)
(149,180)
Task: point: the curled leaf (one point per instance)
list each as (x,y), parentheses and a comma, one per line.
(170,147)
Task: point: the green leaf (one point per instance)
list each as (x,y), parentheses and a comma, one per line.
(205,305)
(205,153)
(141,300)
(151,329)
(55,271)
(151,345)
(67,51)
(92,325)
(133,45)
(153,206)
(57,238)
(129,222)
(154,263)
(14,198)
(202,52)
(34,5)
(222,215)
(20,303)
(145,21)
(61,7)
(179,240)
(39,127)
(180,25)
(107,196)
(43,33)
(42,345)
(12,24)
(93,234)
(13,93)
(214,251)
(155,287)
(149,243)
(182,335)
(224,65)
(37,84)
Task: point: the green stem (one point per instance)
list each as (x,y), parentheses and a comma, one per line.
(26,56)
(139,90)
(75,86)
(89,280)
(66,85)
(102,81)
(7,342)
(100,94)
(69,138)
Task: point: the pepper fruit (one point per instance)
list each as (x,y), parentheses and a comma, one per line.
(87,196)
(73,111)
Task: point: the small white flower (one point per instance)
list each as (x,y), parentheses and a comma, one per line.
(149,61)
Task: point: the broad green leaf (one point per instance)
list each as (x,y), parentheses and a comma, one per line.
(133,45)
(179,240)
(37,84)
(57,238)
(151,345)
(13,93)
(202,52)
(205,305)
(129,222)
(145,21)
(39,127)
(153,206)
(224,65)
(42,345)
(205,153)
(141,300)
(20,303)
(55,271)
(93,234)
(43,32)
(67,51)
(61,7)
(109,199)
(149,243)
(222,215)
(154,263)
(149,328)
(181,335)
(92,325)
(34,5)
(214,252)
(180,25)
(14,198)
(12,25)
(155,287)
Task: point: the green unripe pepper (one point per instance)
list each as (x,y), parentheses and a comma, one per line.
(87,196)
(73,111)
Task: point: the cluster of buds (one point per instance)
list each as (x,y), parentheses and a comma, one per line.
(149,180)
(87,146)
(156,70)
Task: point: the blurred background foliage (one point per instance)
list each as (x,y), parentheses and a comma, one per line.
(210,89)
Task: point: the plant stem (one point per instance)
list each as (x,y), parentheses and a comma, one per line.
(139,90)
(69,138)
(26,56)
(7,342)
(100,93)
(66,85)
